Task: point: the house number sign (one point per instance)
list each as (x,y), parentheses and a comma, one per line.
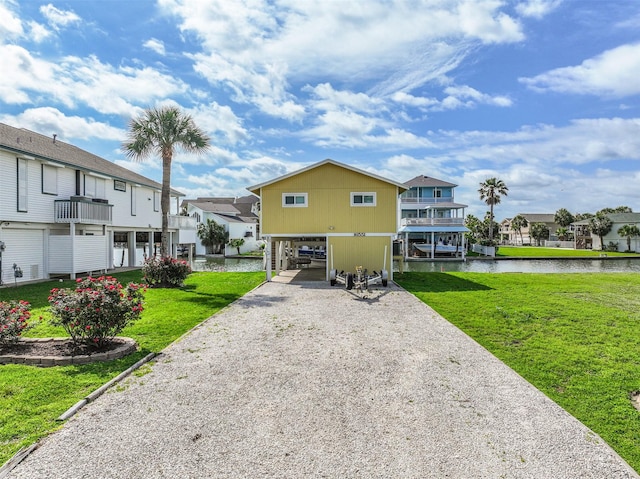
(359,234)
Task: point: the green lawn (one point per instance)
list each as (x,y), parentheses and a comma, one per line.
(540,252)
(573,336)
(31,398)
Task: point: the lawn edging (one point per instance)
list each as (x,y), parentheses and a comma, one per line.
(23,453)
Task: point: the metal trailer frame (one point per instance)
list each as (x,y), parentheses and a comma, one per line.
(360,280)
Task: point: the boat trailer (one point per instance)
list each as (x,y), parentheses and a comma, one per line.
(361,280)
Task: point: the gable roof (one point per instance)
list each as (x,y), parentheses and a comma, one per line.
(210,207)
(23,141)
(539,217)
(225,205)
(425,181)
(256,188)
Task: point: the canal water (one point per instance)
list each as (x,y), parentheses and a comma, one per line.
(604,265)
(527,266)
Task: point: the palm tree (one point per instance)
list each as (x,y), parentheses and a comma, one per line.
(562,233)
(629,231)
(600,225)
(212,235)
(160,131)
(490,191)
(517,223)
(236,243)
(563,217)
(539,231)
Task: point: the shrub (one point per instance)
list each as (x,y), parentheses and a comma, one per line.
(97,310)
(13,320)
(165,272)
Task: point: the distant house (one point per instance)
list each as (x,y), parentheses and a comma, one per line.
(238,216)
(432,223)
(349,213)
(584,239)
(65,211)
(512,237)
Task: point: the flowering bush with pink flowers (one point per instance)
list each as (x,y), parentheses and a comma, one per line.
(165,272)
(14,317)
(96,310)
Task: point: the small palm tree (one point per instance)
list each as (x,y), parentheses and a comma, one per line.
(161,131)
(212,235)
(236,243)
(517,223)
(562,233)
(490,191)
(600,225)
(629,231)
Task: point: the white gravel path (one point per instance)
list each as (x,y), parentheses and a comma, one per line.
(304,380)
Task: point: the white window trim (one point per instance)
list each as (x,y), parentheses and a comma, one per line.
(134,200)
(22,185)
(363,194)
(295,205)
(49,180)
(156,201)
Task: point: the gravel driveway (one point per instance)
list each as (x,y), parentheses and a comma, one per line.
(305,380)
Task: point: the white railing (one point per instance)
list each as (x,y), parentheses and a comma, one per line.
(431,221)
(82,211)
(484,250)
(182,222)
(426,200)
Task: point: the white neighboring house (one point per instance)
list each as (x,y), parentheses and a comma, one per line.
(65,211)
(238,216)
(584,239)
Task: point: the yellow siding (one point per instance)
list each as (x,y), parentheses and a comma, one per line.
(329,189)
(368,252)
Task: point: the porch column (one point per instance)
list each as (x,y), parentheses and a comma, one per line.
(267,256)
(278,245)
(433,246)
(72,232)
(131,244)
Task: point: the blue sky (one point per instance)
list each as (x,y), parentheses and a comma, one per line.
(543,94)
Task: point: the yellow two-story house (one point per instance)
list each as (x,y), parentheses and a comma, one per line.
(350,214)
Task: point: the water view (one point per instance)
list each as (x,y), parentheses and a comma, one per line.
(218,263)
(527,266)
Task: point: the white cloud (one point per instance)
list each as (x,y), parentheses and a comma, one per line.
(257,48)
(66,127)
(11,25)
(458,97)
(219,120)
(75,81)
(614,72)
(59,18)
(37,32)
(155,45)
(325,97)
(537,8)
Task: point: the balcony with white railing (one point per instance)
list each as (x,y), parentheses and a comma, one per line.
(426,200)
(83,211)
(432,222)
(179,222)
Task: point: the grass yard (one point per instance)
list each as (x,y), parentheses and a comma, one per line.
(573,336)
(540,252)
(31,398)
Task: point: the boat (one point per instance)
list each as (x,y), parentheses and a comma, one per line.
(439,248)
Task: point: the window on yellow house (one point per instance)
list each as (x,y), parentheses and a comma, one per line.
(295,200)
(363,199)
